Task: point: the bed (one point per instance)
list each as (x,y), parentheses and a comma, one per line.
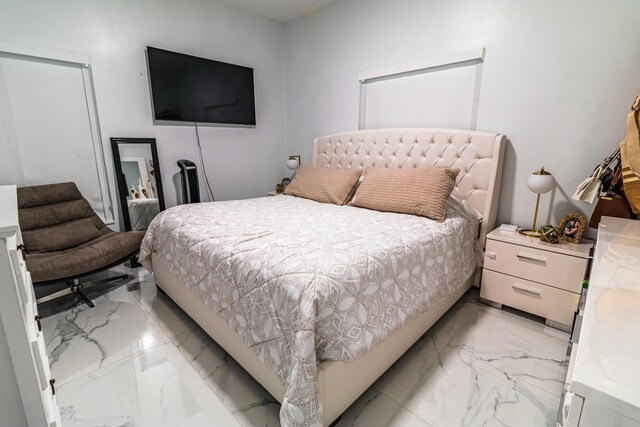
(316,300)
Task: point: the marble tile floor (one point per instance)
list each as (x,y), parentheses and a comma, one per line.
(137,360)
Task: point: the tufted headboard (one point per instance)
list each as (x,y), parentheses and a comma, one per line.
(478,155)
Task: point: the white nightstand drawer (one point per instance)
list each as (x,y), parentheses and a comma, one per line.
(550,268)
(545,301)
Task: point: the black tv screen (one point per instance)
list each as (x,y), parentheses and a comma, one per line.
(187,88)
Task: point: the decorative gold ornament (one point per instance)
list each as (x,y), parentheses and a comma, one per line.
(549,234)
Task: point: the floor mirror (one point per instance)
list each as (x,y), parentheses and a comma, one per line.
(139,181)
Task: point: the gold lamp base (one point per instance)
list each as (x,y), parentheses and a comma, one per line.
(530,233)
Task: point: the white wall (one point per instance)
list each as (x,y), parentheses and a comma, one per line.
(240,162)
(46,128)
(558,79)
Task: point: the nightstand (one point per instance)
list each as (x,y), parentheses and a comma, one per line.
(541,278)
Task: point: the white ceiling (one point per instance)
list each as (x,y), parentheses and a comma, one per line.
(280,10)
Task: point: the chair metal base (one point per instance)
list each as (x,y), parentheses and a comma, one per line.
(77,287)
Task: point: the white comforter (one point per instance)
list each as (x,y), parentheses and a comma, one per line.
(302,281)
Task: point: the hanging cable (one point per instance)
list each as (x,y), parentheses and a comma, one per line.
(204,170)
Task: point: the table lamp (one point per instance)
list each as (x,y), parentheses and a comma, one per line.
(293,162)
(539,182)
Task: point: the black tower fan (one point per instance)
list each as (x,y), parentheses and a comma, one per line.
(190,185)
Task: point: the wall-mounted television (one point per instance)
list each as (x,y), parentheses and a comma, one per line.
(187,88)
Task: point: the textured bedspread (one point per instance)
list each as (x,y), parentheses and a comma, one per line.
(302,281)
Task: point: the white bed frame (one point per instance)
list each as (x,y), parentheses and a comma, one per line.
(478,155)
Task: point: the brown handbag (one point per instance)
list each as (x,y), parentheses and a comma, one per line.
(616,205)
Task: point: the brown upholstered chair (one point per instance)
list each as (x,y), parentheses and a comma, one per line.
(64,239)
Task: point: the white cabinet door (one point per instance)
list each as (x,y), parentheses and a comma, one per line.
(595,415)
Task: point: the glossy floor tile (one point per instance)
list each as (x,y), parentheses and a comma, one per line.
(82,339)
(156,387)
(448,387)
(137,359)
(375,408)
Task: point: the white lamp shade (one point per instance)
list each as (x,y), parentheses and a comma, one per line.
(292,164)
(541,183)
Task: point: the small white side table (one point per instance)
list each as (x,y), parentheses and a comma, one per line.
(541,278)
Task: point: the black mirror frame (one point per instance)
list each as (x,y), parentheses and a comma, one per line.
(121,184)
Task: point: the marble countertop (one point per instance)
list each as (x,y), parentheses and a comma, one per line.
(607,365)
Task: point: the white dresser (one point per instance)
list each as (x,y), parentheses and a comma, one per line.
(27,393)
(541,278)
(603,379)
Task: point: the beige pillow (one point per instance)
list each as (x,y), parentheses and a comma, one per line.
(323,184)
(418,191)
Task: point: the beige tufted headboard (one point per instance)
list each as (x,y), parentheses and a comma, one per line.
(478,155)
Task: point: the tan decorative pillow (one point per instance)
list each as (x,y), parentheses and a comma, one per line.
(419,191)
(323,184)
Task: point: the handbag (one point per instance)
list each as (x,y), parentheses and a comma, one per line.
(600,179)
(590,188)
(607,176)
(615,205)
(630,158)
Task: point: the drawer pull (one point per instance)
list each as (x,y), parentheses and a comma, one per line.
(38,322)
(22,250)
(531,257)
(526,289)
(53,387)
(491,255)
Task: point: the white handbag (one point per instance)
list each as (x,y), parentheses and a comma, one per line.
(589,189)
